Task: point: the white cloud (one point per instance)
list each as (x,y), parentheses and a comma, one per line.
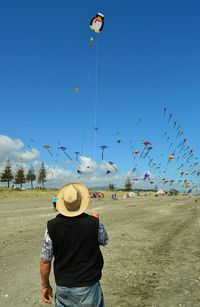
(7,143)
(14,151)
(30,155)
(87,165)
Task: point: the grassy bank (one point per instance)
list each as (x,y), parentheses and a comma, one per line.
(9,193)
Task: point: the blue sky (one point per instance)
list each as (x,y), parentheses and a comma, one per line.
(147,58)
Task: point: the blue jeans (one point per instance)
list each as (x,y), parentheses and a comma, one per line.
(91,296)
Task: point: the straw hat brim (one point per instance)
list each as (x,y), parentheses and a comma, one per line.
(85,199)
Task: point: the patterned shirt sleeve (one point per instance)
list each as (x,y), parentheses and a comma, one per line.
(102,236)
(47,248)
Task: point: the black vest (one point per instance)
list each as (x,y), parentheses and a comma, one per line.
(77,257)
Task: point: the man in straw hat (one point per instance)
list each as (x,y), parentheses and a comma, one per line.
(73,238)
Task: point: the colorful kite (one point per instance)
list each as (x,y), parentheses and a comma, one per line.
(103,147)
(91,40)
(97,23)
(65,152)
(171,157)
(136,152)
(146,176)
(47,147)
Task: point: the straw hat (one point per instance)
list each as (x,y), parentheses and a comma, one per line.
(72,199)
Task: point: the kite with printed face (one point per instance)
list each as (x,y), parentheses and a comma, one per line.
(65,152)
(103,147)
(47,147)
(97,23)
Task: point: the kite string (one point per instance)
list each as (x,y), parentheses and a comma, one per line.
(95,103)
(95,106)
(96,87)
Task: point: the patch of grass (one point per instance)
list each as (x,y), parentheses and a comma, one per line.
(10,193)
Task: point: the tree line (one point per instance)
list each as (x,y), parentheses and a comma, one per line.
(127,186)
(20,176)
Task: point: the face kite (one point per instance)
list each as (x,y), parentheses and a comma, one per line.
(97,23)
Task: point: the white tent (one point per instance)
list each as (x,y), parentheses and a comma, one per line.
(161,192)
(132,194)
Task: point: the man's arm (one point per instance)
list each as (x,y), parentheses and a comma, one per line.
(102,235)
(45,269)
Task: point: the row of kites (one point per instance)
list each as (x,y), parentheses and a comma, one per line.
(187,164)
(180,154)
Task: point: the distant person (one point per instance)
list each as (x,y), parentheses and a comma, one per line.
(54,202)
(72,238)
(114,196)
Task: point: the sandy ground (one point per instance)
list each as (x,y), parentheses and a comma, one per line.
(153,257)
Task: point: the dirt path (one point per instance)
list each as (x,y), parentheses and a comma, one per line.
(153,257)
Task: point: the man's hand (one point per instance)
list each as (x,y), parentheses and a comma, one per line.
(95,214)
(45,268)
(47,294)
